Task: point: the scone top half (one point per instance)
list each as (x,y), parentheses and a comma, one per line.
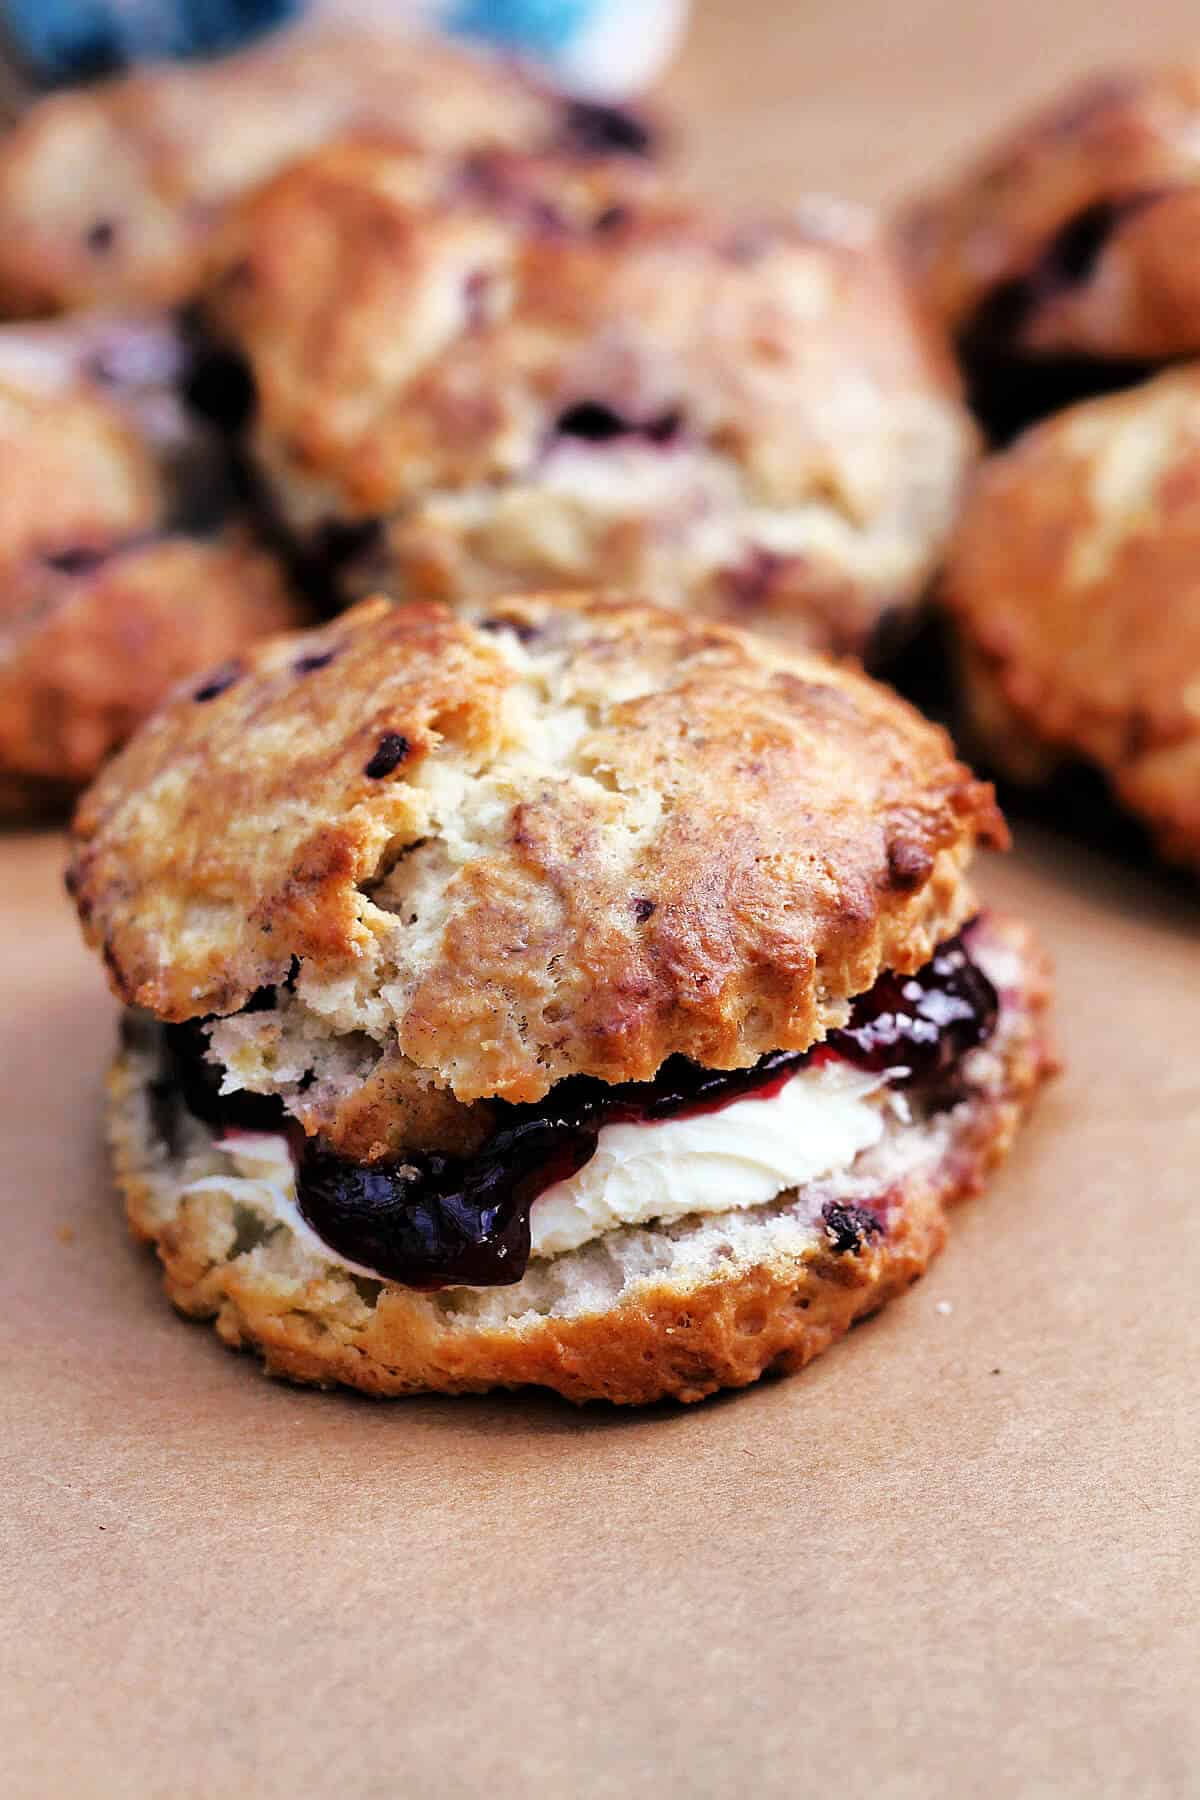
(497,372)
(433,900)
(110,195)
(1074,585)
(1060,258)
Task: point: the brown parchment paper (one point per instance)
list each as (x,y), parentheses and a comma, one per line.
(956,1557)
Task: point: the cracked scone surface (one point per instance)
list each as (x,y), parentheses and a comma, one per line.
(514,372)
(578,837)
(1076,227)
(639,1315)
(119,570)
(110,194)
(1074,583)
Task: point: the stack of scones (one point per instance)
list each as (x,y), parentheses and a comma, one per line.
(444,557)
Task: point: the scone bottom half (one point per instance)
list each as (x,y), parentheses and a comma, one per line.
(779,1039)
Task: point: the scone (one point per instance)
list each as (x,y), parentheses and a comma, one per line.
(1062,261)
(582,996)
(517,372)
(1074,585)
(109,195)
(124,564)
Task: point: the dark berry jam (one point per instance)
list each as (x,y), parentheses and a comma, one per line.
(1011,388)
(924,1023)
(433,1220)
(197,1080)
(429,1220)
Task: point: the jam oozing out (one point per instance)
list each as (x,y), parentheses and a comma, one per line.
(924,1022)
(434,1219)
(431,1220)
(428,1219)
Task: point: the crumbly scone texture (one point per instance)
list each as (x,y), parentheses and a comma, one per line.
(106,598)
(514,372)
(110,194)
(1076,228)
(641,1314)
(578,837)
(1074,582)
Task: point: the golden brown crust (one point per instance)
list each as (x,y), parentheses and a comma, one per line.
(111,194)
(1075,583)
(1093,204)
(104,601)
(530,373)
(75,471)
(682,1337)
(583,837)
(84,658)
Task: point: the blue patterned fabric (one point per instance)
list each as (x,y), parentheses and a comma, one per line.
(536,27)
(70,40)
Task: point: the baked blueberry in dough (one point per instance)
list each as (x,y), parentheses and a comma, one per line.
(511,371)
(1063,259)
(1074,587)
(109,195)
(124,564)
(574,993)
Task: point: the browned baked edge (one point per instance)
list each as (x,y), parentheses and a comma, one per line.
(999,730)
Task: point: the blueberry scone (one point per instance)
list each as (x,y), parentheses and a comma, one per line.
(123,562)
(578,995)
(1074,586)
(465,378)
(1063,259)
(109,195)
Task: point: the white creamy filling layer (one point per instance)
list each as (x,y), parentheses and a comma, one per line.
(739,1156)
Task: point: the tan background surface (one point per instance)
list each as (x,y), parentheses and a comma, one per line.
(956,1557)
